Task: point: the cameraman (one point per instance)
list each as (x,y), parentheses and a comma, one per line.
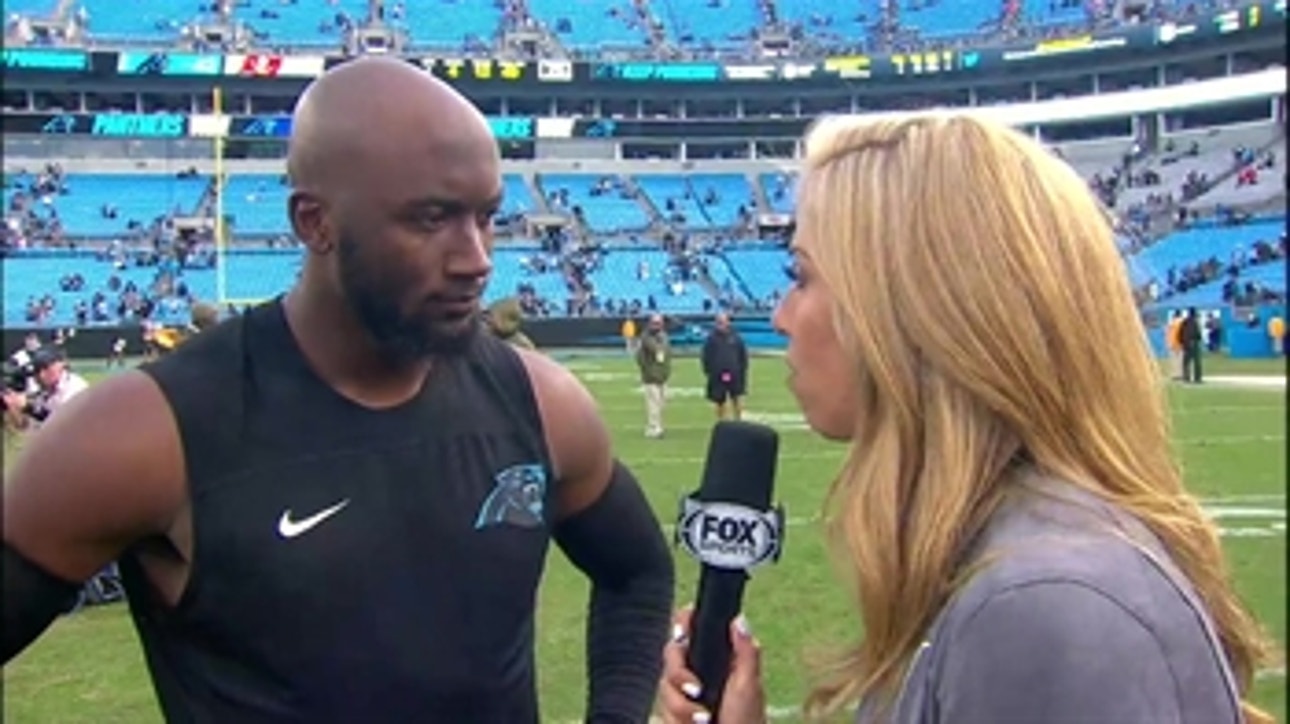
(55,385)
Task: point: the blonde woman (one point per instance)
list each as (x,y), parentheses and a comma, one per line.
(1009,513)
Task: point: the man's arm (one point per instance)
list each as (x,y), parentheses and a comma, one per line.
(106,471)
(743,360)
(644,349)
(706,357)
(606,527)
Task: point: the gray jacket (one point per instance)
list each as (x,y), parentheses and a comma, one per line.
(1081,618)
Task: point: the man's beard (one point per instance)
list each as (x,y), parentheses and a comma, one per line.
(379,312)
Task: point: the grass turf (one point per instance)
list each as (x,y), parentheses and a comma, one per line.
(88,667)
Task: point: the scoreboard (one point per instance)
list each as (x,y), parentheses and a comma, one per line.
(1265,16)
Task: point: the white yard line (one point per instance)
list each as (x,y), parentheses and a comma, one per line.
(691,459)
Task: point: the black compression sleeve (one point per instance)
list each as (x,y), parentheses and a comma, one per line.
(33,598)
(618,543)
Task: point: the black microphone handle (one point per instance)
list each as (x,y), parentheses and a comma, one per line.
(720,599)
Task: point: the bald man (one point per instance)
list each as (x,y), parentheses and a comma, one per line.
(336,507)
(725,365)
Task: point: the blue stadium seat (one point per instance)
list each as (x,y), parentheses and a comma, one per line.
(31,8)
(448,22)
(781,191)
(518,197)
(1208,296)
(609,212)
(136,197)
(845,22)
(715,24)
(300,24)
(1196,245)
(761,270)
(155,20)
(257,204)
(509,272)
(1053,12)
(249,275)
(948,18)
(618,279)
(590,24)
(690,197)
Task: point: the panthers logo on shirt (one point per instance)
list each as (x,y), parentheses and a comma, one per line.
(517,498)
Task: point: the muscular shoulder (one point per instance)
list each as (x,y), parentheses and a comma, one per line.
(103,472)
(576,436)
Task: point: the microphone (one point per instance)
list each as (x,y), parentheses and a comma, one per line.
(730,528)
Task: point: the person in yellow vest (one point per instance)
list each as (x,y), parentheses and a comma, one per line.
(1277,333)
(1173,338)
(629,335)
(202,316)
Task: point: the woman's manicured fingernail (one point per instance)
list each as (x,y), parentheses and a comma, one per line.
(691,689)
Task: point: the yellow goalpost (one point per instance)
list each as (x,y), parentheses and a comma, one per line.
(220,229)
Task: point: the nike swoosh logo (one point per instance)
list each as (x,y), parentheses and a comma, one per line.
(289,528)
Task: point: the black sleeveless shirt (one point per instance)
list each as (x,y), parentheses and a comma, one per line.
(349,565)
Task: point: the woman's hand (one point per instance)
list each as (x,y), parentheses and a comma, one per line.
(743,701)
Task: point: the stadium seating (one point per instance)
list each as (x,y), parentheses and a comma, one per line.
(761,271)
(591,24)
(159,20)
(1045,13)
(781,191)
(608,212)
(31,8)
(256,205)
(707,201)
(839,23)
(713,24)
(618,279)
(949,18)
(446,22)
(1208,296)
(1196,245)
(746,268)
(509,272)
(135,197)
(301,24)
(585,25)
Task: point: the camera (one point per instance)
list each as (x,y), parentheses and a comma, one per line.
(19,369)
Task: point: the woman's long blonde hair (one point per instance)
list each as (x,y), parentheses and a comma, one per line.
(980,292)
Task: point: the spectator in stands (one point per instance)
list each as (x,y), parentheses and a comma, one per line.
(725,365)
(1192,339)
(654,358)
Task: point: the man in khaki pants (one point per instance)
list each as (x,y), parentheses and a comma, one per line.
(654,357)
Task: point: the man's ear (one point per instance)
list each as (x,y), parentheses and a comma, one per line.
(310,220)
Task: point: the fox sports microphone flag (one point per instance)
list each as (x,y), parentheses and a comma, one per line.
(730,528)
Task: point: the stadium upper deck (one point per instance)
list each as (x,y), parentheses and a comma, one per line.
(594,28)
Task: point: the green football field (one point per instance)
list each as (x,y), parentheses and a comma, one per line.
(1232,439)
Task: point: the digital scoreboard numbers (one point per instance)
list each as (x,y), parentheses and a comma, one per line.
(480,70)
(929,63)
